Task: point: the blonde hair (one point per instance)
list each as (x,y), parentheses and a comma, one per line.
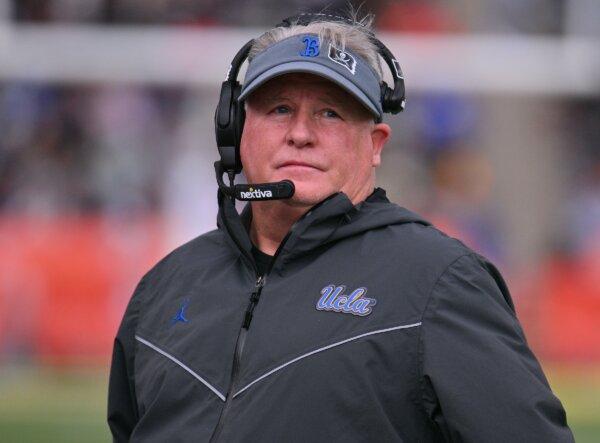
(355,36)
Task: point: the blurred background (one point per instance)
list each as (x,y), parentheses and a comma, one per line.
(107,145)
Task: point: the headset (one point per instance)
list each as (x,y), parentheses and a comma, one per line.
(230,114)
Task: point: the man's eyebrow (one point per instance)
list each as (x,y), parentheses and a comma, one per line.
(273,98)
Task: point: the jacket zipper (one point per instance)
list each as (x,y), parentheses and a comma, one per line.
(241,340)
(239,349)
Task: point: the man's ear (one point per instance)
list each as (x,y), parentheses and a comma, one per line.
(380,134)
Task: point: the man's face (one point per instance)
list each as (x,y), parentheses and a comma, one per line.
(306,129)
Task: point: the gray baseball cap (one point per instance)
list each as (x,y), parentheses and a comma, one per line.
(306,53)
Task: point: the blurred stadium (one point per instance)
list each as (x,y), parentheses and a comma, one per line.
(106,155)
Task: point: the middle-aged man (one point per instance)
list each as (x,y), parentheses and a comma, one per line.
(330,314)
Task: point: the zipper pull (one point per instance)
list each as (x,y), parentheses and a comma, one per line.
(254,297)
(260,281)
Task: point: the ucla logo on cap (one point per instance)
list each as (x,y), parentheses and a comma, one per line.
(333,299)
(312,46)
(342,58)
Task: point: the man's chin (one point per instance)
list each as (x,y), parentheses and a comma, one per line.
(307,191)
(308,197)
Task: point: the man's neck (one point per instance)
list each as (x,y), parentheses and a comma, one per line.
(271,221)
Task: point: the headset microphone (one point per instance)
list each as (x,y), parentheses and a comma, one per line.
(265,191)
(253,192)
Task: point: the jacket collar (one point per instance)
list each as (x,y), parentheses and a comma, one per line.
(332,219)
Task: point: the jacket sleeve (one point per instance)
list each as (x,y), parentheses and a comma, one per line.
(122,405)
(480,380)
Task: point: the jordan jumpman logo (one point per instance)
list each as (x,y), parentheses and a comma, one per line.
(180,316)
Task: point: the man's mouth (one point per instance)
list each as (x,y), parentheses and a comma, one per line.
(298,164)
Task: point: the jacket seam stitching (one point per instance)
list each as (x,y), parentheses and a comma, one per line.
(139,291)
(420,353)
(290,355)
(325,348)
(179,363)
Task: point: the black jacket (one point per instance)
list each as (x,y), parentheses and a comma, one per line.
(371,325)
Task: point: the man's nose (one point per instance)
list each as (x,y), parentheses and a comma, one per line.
(301,130)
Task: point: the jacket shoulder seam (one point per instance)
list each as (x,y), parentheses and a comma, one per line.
(420,352)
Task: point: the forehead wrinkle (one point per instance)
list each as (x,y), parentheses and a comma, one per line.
(330,99)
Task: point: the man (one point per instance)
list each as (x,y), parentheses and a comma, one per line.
(331,315)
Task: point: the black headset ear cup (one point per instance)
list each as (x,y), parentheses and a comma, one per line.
(230,115)
(238,118)
(387,97)
(392,100)
(229,122)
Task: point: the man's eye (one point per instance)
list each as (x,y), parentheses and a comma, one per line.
(330,113)
(281,109)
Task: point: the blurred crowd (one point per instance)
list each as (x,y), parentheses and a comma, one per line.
(83,149)
(111,150)
(490,16)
